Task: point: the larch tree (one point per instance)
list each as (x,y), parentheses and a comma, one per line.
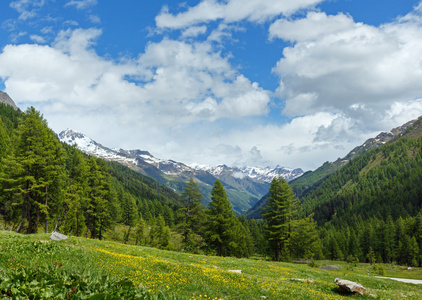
(33,172)
(279,214)
(191,214)
(220,221)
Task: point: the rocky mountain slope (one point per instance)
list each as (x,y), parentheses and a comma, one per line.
(245,186)
(4,98)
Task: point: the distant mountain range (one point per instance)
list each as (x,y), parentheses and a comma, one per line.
(245,186)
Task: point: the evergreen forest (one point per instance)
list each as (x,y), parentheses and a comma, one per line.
(367,210)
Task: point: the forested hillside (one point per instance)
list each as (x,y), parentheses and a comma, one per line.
(46,183)
(371,209)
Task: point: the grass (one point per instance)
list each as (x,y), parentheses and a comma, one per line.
(79,268)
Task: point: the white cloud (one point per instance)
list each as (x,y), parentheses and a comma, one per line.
(172,86)
(354,69)
(321,25)
(94,19)
(37,39)
(194,31)
(27,8)
(231,11)
(82,4)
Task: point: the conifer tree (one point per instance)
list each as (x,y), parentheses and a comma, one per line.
(76,199)
(220,221)
(279,214)
(191,214)
(33,172)
(130,213)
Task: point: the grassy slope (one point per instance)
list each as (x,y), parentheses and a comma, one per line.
(187,276)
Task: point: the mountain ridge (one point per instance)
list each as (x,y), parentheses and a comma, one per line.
(245,185)
(312,179)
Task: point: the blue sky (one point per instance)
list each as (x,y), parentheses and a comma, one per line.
(239,82)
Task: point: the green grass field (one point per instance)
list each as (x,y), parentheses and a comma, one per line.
(34,267)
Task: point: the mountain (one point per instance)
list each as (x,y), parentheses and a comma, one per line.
(311,180)
(245,186)
(4,98)
(386,181)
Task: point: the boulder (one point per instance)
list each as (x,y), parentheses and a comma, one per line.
(349,287)
(55,236)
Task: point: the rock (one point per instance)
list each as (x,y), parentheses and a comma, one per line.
(236,271)
(330,267)
(349,287)
(4,98)
(310,281)
(55,236)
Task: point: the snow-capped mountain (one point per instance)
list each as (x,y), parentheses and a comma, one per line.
(256,173)
(171,167)
(246,185)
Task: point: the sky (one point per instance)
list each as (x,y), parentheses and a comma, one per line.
(293,83)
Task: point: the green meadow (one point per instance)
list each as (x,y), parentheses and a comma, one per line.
(35,267)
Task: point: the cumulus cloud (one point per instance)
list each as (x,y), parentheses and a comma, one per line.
(173,84)
(353,69)
(231,11)
(320,23)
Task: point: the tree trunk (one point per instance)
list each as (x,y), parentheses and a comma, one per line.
(77,224)
(18,230)
(29,218)
(46,215)
(36,222)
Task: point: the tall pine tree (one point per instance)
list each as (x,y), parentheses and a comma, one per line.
(279,214)
(220,222)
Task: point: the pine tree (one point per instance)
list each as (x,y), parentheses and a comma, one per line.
(191,214)
(220,221)
(76,199)
(130,213)
(33,172)
(279,215)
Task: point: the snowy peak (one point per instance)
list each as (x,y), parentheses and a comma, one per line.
(171,167)
(256,173)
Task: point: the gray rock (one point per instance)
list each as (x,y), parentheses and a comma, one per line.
(55,236)
(350,287)
(4,98)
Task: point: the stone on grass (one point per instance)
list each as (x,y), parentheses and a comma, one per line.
(330,267)
(349,287)
(236,271)
(55,236)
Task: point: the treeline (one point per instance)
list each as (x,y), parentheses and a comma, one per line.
(48,184)
(376,240)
